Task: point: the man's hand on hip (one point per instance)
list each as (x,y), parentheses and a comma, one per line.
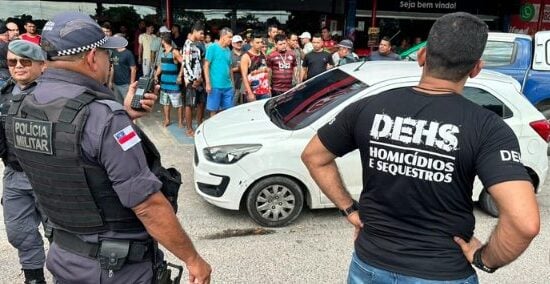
(354,219)
(468,248)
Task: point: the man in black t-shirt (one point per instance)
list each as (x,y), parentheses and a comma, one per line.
(124,71)
(177,37)
(317,61)
(421,149)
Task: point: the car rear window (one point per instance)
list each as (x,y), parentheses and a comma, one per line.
(310,100)
(488,101)
(499,53)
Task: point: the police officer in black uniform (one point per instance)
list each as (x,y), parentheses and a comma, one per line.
(25,61)
(86,162)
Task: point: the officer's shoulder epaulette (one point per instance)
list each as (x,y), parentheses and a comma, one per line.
(113,105)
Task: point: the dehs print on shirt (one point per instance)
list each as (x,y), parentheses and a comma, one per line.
(416,148)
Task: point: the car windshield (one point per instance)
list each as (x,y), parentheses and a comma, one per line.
(308,101)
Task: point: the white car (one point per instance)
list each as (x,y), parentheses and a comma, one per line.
(249,156)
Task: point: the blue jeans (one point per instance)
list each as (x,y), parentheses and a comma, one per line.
(360,272)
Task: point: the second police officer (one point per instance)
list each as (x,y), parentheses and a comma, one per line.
(25,61)
(86,163)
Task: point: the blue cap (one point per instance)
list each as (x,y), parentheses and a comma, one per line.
(26,49)
(70,33)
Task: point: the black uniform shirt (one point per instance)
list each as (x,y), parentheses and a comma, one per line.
(420,154)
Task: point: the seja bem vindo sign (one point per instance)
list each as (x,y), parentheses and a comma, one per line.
(427,5)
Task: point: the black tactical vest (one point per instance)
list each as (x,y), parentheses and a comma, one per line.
(75,195)
(6,153)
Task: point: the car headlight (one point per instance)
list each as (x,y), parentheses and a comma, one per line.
(229,154)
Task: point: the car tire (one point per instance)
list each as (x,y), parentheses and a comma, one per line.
(487,203)
(275,201)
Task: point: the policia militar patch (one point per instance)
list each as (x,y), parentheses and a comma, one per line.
(33,135)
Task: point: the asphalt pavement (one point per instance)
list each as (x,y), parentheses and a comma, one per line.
(316,248)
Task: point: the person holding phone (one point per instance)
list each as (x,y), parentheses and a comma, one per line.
(89,165)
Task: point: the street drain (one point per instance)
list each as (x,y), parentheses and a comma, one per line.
(230,233)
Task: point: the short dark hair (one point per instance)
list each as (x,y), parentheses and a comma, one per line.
(106,25)
(258,35)
(318,35)
(197,27)
(30,21)
(271,27)
(386,38)
(325,28)
(280,37)
(454,46)
(166,39)
(177,26)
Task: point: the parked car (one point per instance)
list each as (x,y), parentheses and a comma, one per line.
(249,156)
(517,55)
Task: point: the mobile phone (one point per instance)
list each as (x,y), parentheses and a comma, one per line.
(144,85)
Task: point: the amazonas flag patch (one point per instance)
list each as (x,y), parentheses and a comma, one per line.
(127,138)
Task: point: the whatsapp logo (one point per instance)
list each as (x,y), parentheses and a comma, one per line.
(527,12)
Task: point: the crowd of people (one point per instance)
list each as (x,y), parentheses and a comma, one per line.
(201,72)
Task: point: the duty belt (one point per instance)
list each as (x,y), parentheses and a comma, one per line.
(139,251)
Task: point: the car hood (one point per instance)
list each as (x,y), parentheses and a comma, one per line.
(247,123)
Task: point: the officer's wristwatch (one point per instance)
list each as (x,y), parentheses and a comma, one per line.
(354,207)
(478,262)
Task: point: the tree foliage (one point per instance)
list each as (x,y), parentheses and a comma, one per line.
(122,15)
(299,22)
(187,18)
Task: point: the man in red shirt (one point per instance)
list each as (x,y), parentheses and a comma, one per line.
(328,43)
(283,65)
(31,34)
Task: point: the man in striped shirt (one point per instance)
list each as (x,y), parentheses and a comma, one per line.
(282,64)
(170,92)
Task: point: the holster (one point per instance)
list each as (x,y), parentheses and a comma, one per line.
(171,182)
(161,273)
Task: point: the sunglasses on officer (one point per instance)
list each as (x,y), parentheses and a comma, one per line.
(25,62)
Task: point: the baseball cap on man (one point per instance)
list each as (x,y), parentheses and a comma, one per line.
(164,30)
(236,38)
(26,49)
(70,33)
(346,43)
(305,35)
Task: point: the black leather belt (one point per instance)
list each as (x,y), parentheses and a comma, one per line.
(139,251)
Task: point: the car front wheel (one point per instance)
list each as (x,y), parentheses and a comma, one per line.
(275,201)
